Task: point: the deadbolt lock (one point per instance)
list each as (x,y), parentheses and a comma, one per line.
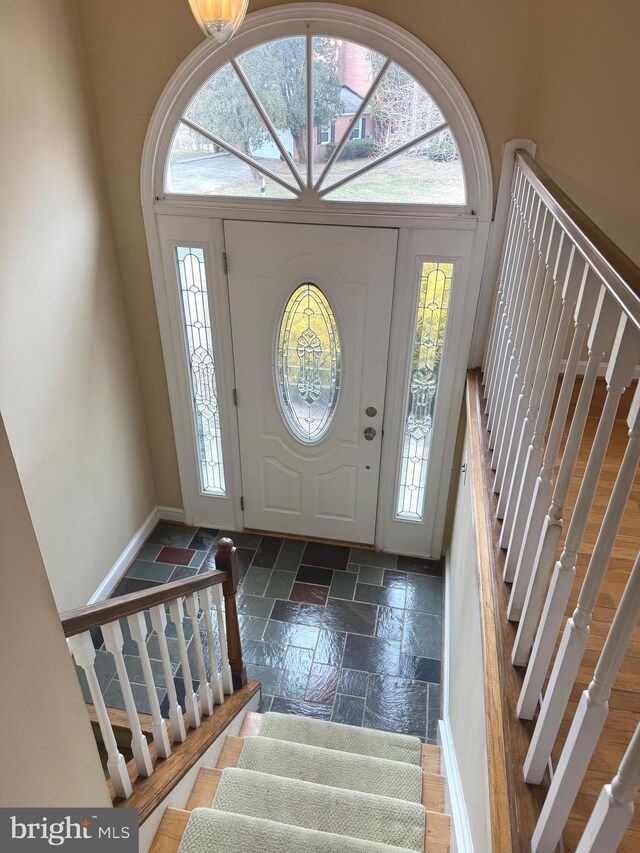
(369,433)
(371,412)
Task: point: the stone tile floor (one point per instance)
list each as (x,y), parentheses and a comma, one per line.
(333,632)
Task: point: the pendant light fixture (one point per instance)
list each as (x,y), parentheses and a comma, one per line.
(219,19)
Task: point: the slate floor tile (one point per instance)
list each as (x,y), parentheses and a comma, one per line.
(286,633)
(168,533)
(301,708)
(136,675)
(254,605)
(181,572)
(420,566)
(366,557)
(285,611)
(266,675)
(424,593)
(353,682)
(322,684)
(148,552)
(314,575)
(385,595)
(371,574)
(295,673)
(343,585)
(198,558)
(265,703)
(148,571)
(433,712)
(353,567)
(390,623)
(128,585)
(290,555)
(310,614)
(113,696)
(177,556)
(264,654)
(422,635)
(240,539)
(352,616)
(309,593)
(325,555)
(330,647)
(396,705)
(280,584)
(421,669)
(255,581)
(394,578)
(153,647)
(348,710)
(267,552)
(371,654)
(204,539)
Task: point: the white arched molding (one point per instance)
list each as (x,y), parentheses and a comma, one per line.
(340,22)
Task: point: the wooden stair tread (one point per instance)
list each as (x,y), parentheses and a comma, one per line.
(149,792)
(170,831)
(204,788)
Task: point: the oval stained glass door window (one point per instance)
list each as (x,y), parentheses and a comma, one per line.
(308,363)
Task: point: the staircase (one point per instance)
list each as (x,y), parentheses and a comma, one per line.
(293,783)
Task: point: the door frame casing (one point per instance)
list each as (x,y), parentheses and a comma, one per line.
(403,47)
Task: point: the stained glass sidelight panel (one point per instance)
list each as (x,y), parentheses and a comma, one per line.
(192,279)
(308,360)
(431,318)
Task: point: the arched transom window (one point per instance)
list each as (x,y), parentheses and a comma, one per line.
(315,116)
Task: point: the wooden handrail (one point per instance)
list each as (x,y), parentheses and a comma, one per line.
(94,615)
(619,273)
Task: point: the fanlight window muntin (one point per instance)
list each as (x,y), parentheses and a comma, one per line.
(308,359)
(281,177)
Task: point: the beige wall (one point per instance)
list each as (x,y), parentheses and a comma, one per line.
(530,70)
(464,685)
(69,390)
(41,766)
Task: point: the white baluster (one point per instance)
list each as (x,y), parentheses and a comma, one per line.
(535,481)
(138,628)
(113,642)
(190,699)
(614,809)
(205,693)
(533,314)
(84,654)
(601,333)
(499,302)
(588,722)
(176,718)
(523,284)
(576,633)
(217,687)
(227,678)
(524,213)
(543,383)
(543,366)
(520,188)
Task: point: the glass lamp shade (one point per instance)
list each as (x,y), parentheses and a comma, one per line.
(219,19)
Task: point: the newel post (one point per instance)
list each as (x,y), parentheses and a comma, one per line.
(227,561)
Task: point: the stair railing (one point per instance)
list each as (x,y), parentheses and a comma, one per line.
(562,283)
(211,669)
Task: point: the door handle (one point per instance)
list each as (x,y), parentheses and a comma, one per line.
(369,433)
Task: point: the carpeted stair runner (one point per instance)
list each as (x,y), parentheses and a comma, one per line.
(329,767)
(308,785)
(393,747)
(322,807)
(212,831)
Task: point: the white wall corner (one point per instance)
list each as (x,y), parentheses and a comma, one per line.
(461,840)
(172,513)
(126,558)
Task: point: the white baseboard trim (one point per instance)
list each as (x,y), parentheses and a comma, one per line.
(171,513)
(462,841)
(119,567)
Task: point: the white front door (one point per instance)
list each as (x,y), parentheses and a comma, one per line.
(310,317)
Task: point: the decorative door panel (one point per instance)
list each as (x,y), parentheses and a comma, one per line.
(310,313)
